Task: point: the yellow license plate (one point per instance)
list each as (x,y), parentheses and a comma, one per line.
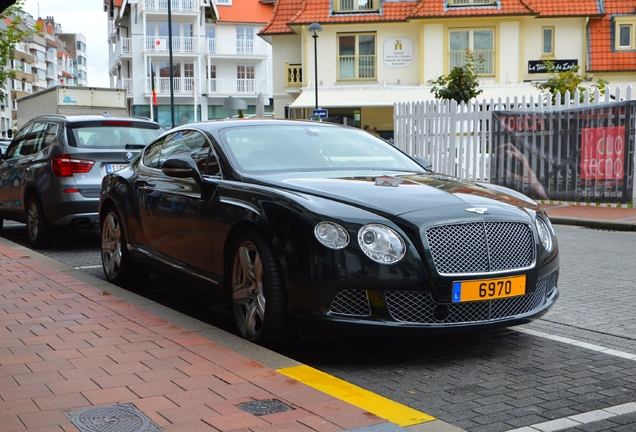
(489,289)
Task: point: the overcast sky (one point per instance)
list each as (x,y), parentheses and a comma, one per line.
(80,16)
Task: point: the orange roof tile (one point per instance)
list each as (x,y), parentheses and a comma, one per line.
(438,9)
(561,8)
(601,33)
(284,12)
(245,11)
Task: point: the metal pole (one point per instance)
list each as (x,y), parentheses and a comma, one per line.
(315,36)
(171,70)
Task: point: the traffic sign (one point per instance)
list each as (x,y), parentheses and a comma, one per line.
(321,113)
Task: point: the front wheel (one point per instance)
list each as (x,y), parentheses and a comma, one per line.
(116,260)
(258,292)
(38,229)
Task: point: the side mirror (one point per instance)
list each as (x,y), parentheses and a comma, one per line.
(424,163)
(182,167)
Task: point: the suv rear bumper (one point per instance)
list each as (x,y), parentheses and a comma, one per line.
(81,214)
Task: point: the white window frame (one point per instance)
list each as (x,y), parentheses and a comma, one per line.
(628,23)
(471,47)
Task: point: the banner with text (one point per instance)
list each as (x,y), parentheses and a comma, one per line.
(584,154)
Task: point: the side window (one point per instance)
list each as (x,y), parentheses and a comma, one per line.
(51,133)
(152,154)
(190,143)
(16,145)
(33,140)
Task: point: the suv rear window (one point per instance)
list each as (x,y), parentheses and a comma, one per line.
(118,135)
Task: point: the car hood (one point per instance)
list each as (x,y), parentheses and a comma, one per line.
(396,194)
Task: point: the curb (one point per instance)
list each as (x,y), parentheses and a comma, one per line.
(594,223)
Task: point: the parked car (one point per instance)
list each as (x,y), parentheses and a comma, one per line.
(327,228)
(51,172)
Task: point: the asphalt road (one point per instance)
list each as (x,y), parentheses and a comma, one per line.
(578,362)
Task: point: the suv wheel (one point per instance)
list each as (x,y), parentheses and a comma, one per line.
(38,228)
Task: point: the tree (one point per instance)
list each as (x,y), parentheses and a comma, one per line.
(562,81)
(461,83)
(14,32)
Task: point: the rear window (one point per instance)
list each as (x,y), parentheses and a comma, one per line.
(113,136)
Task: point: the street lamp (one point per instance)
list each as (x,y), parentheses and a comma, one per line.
(315,28)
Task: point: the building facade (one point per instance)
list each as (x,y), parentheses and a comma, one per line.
(215,54)
(374,53)
(45,59)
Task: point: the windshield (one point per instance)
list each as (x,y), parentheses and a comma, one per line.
(306,147)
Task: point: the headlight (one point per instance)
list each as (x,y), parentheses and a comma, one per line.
(381,244)
(331,235)
(544,234)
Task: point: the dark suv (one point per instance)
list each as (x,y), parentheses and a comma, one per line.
(51,173)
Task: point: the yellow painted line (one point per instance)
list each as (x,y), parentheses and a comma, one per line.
(368,401)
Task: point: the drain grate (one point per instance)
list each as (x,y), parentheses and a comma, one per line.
(263,407)
(112,418)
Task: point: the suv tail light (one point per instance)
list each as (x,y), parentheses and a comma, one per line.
(65,166)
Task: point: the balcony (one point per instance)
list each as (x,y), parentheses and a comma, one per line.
(231,86)
(237,47)
(294,75)
(179,44)
(175,5)
(127,84)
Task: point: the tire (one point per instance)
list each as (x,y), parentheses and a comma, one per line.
(38,229)
(258,294)
(117,263)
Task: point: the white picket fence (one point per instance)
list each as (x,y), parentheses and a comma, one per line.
(456,137)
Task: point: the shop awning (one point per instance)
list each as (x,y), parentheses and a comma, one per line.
(343,97)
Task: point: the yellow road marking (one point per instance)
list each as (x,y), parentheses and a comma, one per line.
(368,401)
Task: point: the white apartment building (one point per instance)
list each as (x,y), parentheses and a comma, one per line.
(216,53)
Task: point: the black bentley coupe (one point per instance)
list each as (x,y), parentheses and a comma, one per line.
(313,225)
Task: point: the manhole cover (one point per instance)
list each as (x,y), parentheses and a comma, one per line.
(112,418)
(268,406)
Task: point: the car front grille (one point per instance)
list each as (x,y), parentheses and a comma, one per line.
(481,247)
(418,307)
(351,303)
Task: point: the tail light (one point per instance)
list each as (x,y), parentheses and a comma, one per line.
(65,166)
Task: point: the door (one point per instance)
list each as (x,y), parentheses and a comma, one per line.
(173,213)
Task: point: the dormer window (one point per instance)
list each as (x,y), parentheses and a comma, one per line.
(456,3)
(345,6)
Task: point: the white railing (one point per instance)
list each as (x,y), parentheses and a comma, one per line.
(179,85)
(236,86)
(125,46)
(175,5)
(246,47)
(456,137)
(127,84)
(179,44)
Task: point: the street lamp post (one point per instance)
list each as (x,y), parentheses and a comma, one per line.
(315,28)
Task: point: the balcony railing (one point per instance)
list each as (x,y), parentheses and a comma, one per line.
(225,86)
(294,75)
(127,84)
(179,44)
(125,46)
(246,47)
(356,5)
(356,67)
(175,6)
(236,86)
(485,60)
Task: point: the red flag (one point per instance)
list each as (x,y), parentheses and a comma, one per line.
(154,87)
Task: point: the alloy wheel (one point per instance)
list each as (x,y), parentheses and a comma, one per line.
(111,246)
(248,295)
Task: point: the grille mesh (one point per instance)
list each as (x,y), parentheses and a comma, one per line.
(481,247)
(351,303)
(418,307)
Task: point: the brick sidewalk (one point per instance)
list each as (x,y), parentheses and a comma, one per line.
(67,345)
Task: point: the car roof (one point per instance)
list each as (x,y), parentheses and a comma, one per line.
(216,125)
(89,117)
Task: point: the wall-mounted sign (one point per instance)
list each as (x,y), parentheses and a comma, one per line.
(538,66)
(398,52)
